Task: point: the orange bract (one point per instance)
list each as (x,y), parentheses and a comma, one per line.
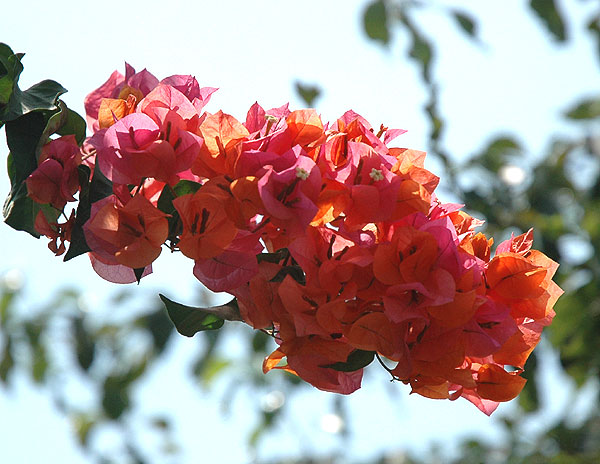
(136,230)
(221,133)
(305,126)
(494,383)
(408,258)
(512,276)
(113,109)
(207,229)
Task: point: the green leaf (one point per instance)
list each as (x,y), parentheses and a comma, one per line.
(15,103)
(548,13)
(495,155)
(74,124)
(356,360)
(585,109)
(421,50)
(20,211)
(435,120)
(376,22)
(466,23)
(213,368)
(165,204)
(594,28)
(85,347)
(308,93)
(139,272)
(10,69)
(275,257)
(183,187)
(168,194)
(529,398)
(116,388)
(115,396)
(159,326)
(189,320)
(83,424)
(78,245)
(23,136)
(165,200)
(91,191)
(41,96)
(6,305)
(7,363)
(294,271)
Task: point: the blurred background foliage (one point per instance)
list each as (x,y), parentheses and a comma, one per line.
(556,192)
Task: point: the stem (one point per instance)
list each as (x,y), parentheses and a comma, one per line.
(89,155)
(270,333)
(227,311)
(394,377)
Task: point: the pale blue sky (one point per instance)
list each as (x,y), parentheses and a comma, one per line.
(254,50)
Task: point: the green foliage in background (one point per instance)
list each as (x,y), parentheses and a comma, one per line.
(559,196)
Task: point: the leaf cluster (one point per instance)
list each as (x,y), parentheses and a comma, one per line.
(30,118)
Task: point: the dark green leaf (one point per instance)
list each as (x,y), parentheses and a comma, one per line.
(308,93)
(20,211)
(165,201)
(115,400)
(183,187)
(7,362)
(421,50)
(139,272)
(10,69)
(78,245)
(495,155)
(41,96)
(39,365)
(294,271)
(189,320)
(260,341)
(376,22)
(85,348)
(275,257)
(594,27)
(356,360)
(159,326)
(15,103)
(548,13)
(168,194)
(211,340)
(23,136)
(466,23)
(165,204)
(115,397)
(91,191)
(529,398)
(75,125)
(586,109)
(435,120)
(100,186)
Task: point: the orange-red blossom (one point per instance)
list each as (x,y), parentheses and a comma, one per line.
(132,233)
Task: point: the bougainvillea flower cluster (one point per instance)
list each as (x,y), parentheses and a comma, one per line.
(329,239)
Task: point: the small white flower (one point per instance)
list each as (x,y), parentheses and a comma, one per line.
(376,174)
(302,173)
